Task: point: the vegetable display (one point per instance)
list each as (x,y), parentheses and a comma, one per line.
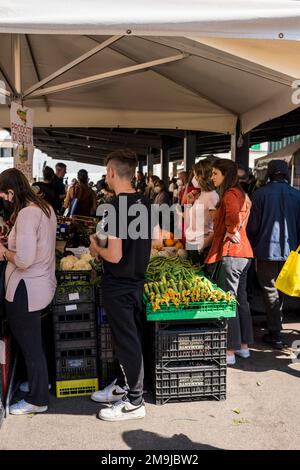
(71,263)
(175,280)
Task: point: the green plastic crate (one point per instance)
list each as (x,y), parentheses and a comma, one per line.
(195,311)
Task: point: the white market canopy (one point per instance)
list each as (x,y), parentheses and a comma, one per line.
(194,65)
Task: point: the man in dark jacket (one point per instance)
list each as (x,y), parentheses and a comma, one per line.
(274,230)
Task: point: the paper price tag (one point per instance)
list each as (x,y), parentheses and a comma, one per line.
(74,296)
(69,308)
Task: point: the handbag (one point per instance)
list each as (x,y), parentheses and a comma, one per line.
(288,280)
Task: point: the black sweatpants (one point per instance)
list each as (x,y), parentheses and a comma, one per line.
(124,314)
(26,329)
(267,273)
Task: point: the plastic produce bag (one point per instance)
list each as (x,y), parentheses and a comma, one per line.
(288,280)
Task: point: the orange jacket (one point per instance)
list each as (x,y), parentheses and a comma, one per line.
(232,216)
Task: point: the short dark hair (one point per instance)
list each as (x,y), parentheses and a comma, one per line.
(82,176)
(48,173)
(61,166)
(124,162)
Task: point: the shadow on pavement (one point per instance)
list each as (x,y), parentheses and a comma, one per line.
(263,358)
(145,440)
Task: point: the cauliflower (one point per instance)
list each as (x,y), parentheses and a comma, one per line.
(67,263)
(154,252)
(82,265)
(86,257)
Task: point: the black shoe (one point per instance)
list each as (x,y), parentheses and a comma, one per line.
(274,342)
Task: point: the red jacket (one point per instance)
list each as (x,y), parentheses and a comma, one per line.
(232,216)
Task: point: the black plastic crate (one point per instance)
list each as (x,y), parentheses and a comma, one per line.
(70,368)
(70,276)
(76,348)
(98,296)
(101,316)
(66,294)
(191,343)
(186,382)
(75,335)
(73,331)
(73,312)
(105,345)
(108,372)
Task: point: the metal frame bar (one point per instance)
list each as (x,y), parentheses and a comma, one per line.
(102,76)
(175,81)
(30,91)
(29,45)
(17,63)
(5,76)
(223,58)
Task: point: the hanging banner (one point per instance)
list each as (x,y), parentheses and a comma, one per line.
(21,124)
(23,160)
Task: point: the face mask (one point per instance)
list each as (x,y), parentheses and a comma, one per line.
(8,206)
(157,189)
(195,183)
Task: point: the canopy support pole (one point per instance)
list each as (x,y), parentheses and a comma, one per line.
(240,147)
(164,160)
(189,150)
(149,161)
(17,63)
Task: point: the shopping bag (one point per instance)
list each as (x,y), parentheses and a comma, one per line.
(288,280)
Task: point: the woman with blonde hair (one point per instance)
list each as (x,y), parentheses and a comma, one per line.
(199,215)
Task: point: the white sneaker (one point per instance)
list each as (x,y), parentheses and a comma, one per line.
(24,387)
(24,408)
(230,360)
(109,394)
(244,353)
(123,410)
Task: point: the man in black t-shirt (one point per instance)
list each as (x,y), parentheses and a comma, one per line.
(127,224)
(58,186)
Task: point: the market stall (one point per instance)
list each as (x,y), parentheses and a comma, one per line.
(185,323)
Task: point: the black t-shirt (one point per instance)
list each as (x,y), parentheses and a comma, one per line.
(135,232)
(59,190)
(46,191)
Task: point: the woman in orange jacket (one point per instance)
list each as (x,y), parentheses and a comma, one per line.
(230,254)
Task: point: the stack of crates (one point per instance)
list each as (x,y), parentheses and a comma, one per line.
(75,334)
(188,360)
(108,364)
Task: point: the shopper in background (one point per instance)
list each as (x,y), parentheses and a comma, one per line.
(101,184)
(87,201)
(274,230)
(184,179)
(161,193)
(45,188)
(230,254)
(199,218)
(149,191)
(125,262)
(59,186)
(140,183)
(30,280)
